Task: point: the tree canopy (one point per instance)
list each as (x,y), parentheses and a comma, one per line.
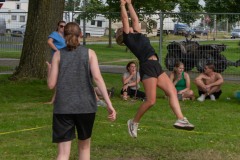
(222,6)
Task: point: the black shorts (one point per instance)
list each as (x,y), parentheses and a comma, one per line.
(64,126)
(216,94)
(150,68)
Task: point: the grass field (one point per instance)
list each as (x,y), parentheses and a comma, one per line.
(25,132)
(117,55)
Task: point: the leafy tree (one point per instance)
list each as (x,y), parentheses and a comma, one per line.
(224,6)
(189,6)
(71,5)
(43,16)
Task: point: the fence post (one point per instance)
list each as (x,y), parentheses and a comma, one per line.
(160,37)
(215,27)
(84,22)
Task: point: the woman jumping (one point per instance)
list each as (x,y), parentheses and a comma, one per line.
(151,73)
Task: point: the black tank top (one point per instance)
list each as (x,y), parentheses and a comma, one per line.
(74,90)
(139,45)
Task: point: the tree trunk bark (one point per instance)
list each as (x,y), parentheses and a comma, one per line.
(43,16)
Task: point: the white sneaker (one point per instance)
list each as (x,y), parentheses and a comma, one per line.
(101,103)
(183,124)
(201,98)
(212,97)
(132,128)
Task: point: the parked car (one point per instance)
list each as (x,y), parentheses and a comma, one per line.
(183,29)
(19,32)
(201,30)
(235,33)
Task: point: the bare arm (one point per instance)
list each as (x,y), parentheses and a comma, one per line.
(97,77)
(187,78)
(50,43)
(134,17)
(219,80)
(53,70)
(199,82)
(124,17)
(172,76)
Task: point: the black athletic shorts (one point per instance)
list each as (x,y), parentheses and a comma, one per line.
(64,126)
(216,94)
(150,68)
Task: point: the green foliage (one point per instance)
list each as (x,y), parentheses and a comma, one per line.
(222,6)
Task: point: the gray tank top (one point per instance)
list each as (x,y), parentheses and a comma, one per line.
(74,89)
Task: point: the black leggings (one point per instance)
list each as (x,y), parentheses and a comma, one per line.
(132,92)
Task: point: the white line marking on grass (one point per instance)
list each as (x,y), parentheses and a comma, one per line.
(112,124)
(22,130)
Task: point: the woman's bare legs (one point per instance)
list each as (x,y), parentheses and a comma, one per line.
(167,86)
(64,149)
(150,86)
(188,94)
(84,149)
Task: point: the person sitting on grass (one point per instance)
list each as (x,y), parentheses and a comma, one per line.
(209,83)
(181,80)
(130,80)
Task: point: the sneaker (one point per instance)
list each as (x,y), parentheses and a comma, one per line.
(201,98)
(183,124)
(101,103)
(212,97)
(132,128)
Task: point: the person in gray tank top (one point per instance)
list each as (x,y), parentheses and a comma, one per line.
(72,71)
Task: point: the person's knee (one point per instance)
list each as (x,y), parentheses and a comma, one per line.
(170,91)
(191,92)
(151,102)
(84,144)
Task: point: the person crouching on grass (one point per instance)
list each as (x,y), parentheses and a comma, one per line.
(151,73)
(71,71)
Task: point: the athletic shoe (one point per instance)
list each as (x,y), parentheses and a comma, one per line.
(132,128)
(101,103)
(212,97)
(201,98)
(183,124)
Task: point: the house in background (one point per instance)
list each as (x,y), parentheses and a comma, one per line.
(14,12)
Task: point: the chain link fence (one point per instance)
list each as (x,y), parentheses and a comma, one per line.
(193,38)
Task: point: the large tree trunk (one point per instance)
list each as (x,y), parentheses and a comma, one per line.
(43,16)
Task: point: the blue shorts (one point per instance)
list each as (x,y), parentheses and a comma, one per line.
(64,126)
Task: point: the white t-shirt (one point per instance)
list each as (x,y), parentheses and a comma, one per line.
(133,79)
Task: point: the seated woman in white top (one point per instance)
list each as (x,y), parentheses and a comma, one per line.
(130,81)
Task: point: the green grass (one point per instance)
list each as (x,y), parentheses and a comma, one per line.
(117,55)
(25,132)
